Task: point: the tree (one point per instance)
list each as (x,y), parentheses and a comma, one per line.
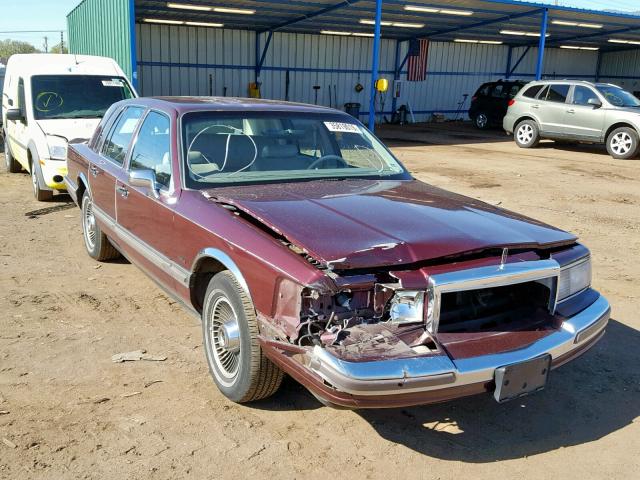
(9,47)
(58,49)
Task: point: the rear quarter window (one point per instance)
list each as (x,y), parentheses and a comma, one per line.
(531,92)
(484,90)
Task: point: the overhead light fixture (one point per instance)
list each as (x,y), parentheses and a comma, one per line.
(484,42)
(366,21)
(239,11)
(520,33)
(161,20)
(624,42)
(187,6)
(568,23)
(207,8)
(443,11)
(575,47)
(336,32)
(358,34)
(204,24)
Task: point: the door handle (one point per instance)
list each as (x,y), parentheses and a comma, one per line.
(122,191)
(571,111)
(94,170)
(535,106)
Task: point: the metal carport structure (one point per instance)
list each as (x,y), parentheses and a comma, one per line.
(522,28)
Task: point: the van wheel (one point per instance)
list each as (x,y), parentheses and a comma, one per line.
(97,244)
(41,195)
(481,121)
(527,134)
(237,364)
(623,143)
(12,165)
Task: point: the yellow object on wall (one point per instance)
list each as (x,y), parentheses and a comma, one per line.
(254,90)
(382,85)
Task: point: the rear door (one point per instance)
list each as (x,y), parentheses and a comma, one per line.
(18,130)
(584,121)
(551,109)
(145,217)
(108,166)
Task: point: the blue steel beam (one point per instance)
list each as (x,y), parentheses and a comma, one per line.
(303,17)
(524,54)
(543,40)
(374,66)
(260,61)
(507,71)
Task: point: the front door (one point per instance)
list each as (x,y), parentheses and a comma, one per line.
(584,121)
(17,130)
(145,215)
(109,165)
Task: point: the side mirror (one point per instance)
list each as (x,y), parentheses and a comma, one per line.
(594,102)
(15,115)
(146,179)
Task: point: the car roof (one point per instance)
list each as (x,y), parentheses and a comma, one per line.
(61,64)
(188,104)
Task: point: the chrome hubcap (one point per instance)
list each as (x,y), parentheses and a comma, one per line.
(525,134)
(621,143)
(89,224)
(482,120)
(224,336)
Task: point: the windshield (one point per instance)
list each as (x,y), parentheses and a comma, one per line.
(76,96)
(272,147)
(618,97)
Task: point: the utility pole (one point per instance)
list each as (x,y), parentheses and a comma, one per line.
(46,45)
(61,42)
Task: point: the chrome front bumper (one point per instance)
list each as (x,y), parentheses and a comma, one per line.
(429,373)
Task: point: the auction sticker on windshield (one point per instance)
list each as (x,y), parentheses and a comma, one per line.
(342,127)
(112,83)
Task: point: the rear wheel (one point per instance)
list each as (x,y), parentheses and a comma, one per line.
(481,121)
(96,242)
(40,194)
(12,165)
(527,134)
(230,329)
(623,143)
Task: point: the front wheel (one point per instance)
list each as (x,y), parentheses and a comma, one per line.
(40,194)
(623,143)
(230,329)
(527,134)
(97,244)
(481,121)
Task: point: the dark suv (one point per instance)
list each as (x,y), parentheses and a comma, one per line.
(490,103)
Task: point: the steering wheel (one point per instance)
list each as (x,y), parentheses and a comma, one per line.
(326,158)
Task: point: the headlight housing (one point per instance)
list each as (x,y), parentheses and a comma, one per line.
(57,147)
(407,306)
(574,278)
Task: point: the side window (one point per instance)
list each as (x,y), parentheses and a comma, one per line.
(558,93)
(513,91)
(483,91)
(115,146)
(582,95)
(498,91)
(152,150)
(531,92)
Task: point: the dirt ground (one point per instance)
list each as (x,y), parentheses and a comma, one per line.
(68,411)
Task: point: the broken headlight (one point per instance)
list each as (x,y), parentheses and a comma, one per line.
(407,306)
(574,278)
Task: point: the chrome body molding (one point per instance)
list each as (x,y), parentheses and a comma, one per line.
(72,188)
(420,374)
(490,276)
(224,259)
(167,265)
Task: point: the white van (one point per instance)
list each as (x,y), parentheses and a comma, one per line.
(49,100)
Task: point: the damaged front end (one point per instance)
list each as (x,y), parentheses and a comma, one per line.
(439,331)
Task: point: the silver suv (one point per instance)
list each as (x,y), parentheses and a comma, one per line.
(576,110)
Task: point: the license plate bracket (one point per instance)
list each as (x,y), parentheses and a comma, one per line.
(522,378)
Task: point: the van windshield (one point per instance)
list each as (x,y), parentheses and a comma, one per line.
(76,96)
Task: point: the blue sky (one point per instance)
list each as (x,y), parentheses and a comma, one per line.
(51,15)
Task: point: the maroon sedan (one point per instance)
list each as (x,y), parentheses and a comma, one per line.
(308,249)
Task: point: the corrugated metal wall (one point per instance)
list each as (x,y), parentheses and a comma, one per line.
(102,27)
(622,68)
(179,60)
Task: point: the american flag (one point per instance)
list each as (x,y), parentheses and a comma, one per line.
(417,61)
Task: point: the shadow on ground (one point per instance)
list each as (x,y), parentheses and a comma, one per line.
(447,133)
(585,400)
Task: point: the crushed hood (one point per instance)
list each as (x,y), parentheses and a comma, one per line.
(348,224)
